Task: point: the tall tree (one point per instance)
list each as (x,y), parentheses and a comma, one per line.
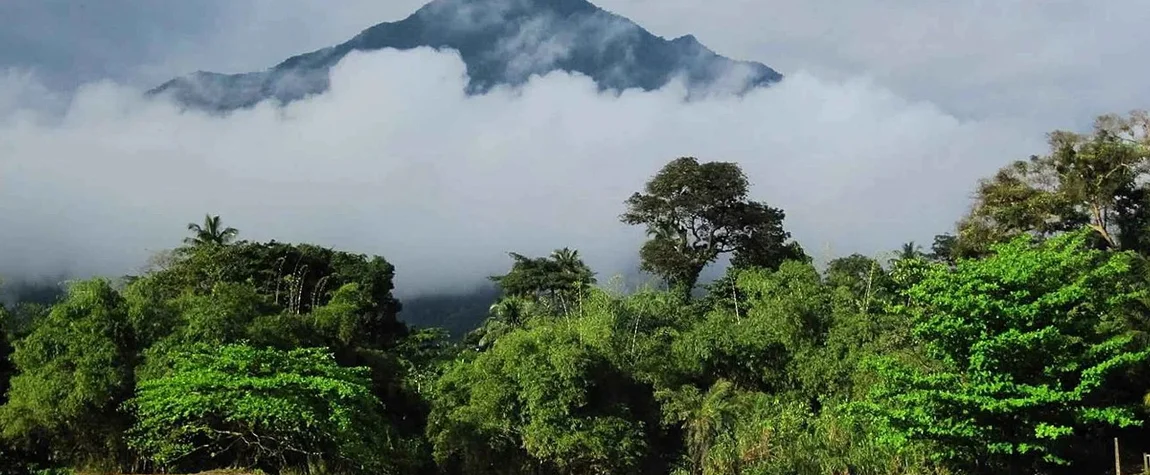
(696,212)
(1097,180)
(909,250)
(210,232)
(943,248)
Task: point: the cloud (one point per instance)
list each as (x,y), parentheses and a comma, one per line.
(1052,62)
(545,39)
(395,159)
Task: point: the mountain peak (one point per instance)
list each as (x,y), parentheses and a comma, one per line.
(501,42)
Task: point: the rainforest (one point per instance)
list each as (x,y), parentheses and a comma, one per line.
(1015,343)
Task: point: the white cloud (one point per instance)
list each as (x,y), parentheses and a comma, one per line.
(397,160)
(1052,62)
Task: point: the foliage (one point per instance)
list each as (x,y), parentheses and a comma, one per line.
(72,369)
(694,212)
(540,401)
(6,367)
(263,408)
(1024,343)
(732,431)
(1096,180)
(1018,344)
(785,315)
(293,279)
(555,280)
(210,233)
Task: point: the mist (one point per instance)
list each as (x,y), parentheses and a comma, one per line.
(397,160)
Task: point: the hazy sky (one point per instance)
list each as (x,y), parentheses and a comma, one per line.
(891,110)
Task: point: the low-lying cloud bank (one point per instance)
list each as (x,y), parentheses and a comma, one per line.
(397,160)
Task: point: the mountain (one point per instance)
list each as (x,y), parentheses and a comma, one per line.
(501,42)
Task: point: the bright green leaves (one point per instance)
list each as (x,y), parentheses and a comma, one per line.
(1026,338)
(732,431)
(260,407)
(81,361)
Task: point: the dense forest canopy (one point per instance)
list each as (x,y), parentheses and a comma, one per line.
(1017,344)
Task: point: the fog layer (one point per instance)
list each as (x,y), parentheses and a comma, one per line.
(396,160)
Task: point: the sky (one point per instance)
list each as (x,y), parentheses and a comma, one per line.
(890,112)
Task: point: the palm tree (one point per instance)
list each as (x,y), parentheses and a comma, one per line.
(210,232)
(711,416)
(506,315)
(567,258)
(569,262)
(910,250)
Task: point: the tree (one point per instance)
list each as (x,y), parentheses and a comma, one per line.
(1096,180)
(1024,344)
(541,400)
(729,431)
(696,212)
(943,248)
(786,313)
(554,280)
(864,280)
(272,409)
(908,251)
(292,278)
(6,369)
(73,370)
(211,232)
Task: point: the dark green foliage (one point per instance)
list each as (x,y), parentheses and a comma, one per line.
(211,233)
(458,314)
(7,369)
(540,401)
(22,458)
(862,280)
(291,278)
(944,248)
(261,408)
(555,280)
(695,212)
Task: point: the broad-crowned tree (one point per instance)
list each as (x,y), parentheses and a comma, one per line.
(1096,180)
(694,212)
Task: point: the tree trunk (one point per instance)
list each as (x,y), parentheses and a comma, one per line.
(685,284)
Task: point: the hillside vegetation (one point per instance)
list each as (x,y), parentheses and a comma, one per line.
(1017,344)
